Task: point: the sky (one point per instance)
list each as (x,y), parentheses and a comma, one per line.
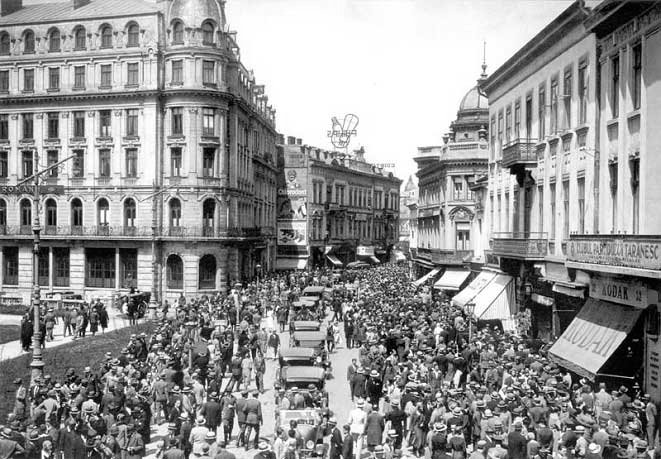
(402,66)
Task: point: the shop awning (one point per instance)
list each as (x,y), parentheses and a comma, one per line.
(593,336)
(475,287)
(569,289)
(374,260)
(290,263)
(335,261)
(425,263)
(452,279)
(496,301)
(426,277)
(399,256)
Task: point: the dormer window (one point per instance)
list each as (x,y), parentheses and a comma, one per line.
(80,41)
(207,33)
(133,33)
(4,44)
(106,37)
(28,42)
(54,41)
(178,33)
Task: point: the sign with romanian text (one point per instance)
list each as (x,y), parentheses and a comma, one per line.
(631,293)
(633,251)
(29,189)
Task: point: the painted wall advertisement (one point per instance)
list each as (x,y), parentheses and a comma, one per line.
(635,253)
(292,233)
(292,195)
(632,293)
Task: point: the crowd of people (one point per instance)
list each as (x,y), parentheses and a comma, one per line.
(419,386)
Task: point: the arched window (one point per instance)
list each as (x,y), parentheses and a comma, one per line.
(51,212)
(207,33)
(26,212)
(54,41)
(129,213)
(106,36)
(177,33)
(28,42)
(4,44)
(175,213)
(76,213)
(103,212)
(133,33)
(175,272)
(80,39)
(207,270)
(3,214)
(208,212)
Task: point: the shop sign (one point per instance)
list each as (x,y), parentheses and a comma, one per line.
(29,189)
(365,251)
(634,252)
(631,293)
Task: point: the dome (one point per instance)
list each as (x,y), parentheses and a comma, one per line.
(194,12)
(474,99)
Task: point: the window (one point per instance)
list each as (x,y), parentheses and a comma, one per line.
(105,129)
(634,165)
(54,41)
(132,74)
(207,33)
(27,161)
(552,222)
(106,36)
(28,80)
(178,33)
(131,162)
(52,157)
(100,268)
(26,212)
(53,125)
(104,162)
(636,74)
(458,189)
(80,40)
(133,36)
(209,121)
(208,212)
(132,122)
(581,205)
(4,80)
(175,272)
(500,128)
(103,212)
(463,238)
(567,92)
(507,212)
(4,165)
(540,205)
(554,106)
(61,266)
(615,87)
(208,160)
(28,125)
(582,92)
(51,212)
(79,124)
(129,213)
(3,212)
(177,72)
(491,212)
(28,42)
(208,72)
(177,121)
(517,119)
(78,163)
(10,265)
(541,112)
(106,75)
(76,212)
(43,276)
(79,77)
(128,267)
(493,134)
(528,116)
(53,78)
(4,44)
(508,124)
(175,162)
(565,206)
(175,213)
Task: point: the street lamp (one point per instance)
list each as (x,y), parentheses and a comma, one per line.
(37,363)
(470,310)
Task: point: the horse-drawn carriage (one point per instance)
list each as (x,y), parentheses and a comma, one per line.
(138,302)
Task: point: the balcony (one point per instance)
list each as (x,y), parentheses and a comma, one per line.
(522,246)
(615,253)
(451,256)
(519,153)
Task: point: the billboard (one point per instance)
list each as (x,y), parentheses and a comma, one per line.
(292,233)
(292,195)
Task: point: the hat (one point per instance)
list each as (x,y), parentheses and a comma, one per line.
(488,413)
(480,403)
(374,374)
(579,429)
(594,448)
(518,426)
(439,427)
(360,403)
(332,420)
(263,446)
(183,416)
(457,411)
(18,381)
(481,444)
(172,426)
(392,433)
(200,421)
(211,435)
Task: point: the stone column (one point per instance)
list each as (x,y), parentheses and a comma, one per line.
(117,276)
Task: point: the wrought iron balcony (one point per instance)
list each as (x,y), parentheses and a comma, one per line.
(519,152)
(524,246)
(451,256)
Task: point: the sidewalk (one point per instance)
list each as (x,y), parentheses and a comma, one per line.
(13,349)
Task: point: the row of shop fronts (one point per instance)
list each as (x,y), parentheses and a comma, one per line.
(597,309)
(339,256)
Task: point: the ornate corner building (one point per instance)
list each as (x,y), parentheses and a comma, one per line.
(168,177)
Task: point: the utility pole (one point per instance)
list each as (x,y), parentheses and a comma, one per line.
(37,363)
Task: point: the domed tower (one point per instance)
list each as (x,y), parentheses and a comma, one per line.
(473,114)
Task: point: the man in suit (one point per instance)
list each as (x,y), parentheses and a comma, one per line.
(239,405)
(516,443)
(253,412)
(335,440)
(351,371)
(347,443)
(211,412)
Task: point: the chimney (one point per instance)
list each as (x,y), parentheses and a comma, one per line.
(281,139)
(291,140)
(78,3)
(299,141)
(10,6)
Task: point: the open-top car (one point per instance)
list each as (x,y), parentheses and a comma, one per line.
(302,376)
(311,339)
(310,428)
(298,357)
(305,325)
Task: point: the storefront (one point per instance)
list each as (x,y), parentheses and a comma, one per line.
(452,281)
(429,276)
(366,253)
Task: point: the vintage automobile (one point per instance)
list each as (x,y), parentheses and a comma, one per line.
(305,325)
(316,291)
(311,339)
(310,426)
(141,300)
(303,357)
(302,376)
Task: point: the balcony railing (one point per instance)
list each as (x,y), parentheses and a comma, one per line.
(519,152)
(451,256)
(527,246)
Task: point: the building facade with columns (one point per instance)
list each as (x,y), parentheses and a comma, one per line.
(168,179)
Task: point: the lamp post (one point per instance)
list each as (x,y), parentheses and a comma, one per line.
(470,310)
(37,364)
(153,304)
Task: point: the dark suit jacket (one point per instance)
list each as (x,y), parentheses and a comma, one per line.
(336,444)
(347,447)
(516,446)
